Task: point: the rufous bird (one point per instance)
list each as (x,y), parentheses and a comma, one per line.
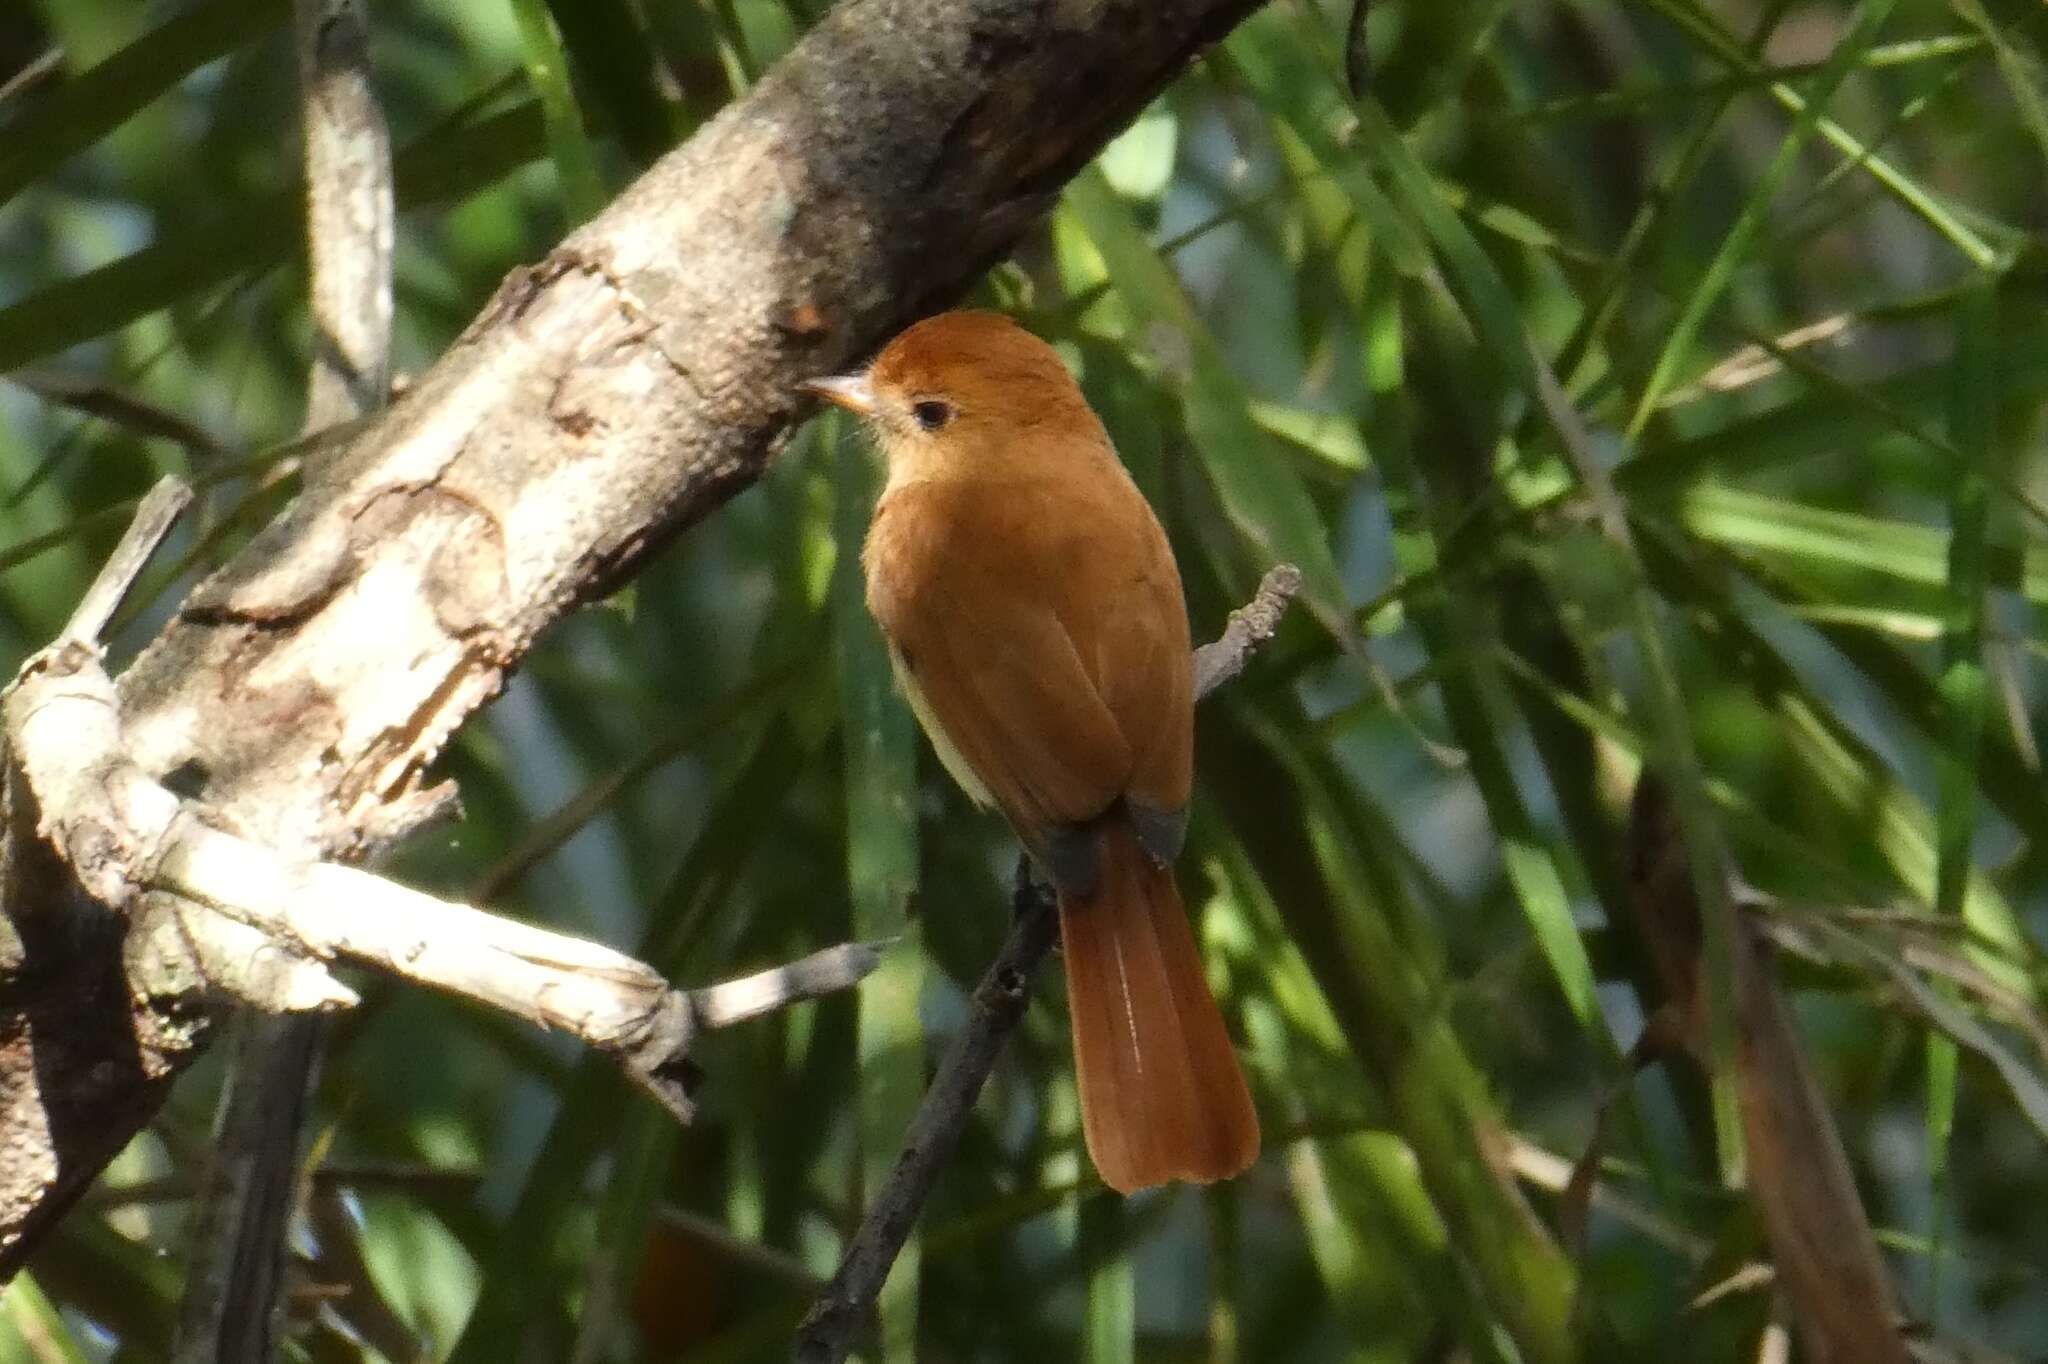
(1035,619)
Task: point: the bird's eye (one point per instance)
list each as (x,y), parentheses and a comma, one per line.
(931,414)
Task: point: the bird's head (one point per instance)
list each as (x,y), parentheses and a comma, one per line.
(963,385)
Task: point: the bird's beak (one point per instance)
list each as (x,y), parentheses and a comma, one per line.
(850,391)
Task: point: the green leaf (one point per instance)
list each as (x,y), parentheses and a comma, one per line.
(1714,281)
(1112,1325)
(84,109)
(1707,29)
(610,47)
(1373,958)
(38,1329)
(1844,540)
(1475,697)
(246,239)
(1380,1249)
(1487,302)
(547,68)
(1138,163)
(1973,428)
(1901,829)
(1330,437)
(539,1250)
(2026,75)
(1262,492)
(1952,1022)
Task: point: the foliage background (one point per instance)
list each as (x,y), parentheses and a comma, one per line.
(1811,349)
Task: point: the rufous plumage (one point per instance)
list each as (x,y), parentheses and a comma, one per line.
(1035,618)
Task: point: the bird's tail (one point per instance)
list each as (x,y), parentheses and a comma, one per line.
(1161,1093)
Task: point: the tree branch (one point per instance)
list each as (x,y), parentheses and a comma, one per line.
(1250,626)
(827,1331)
(349,213)
(606,398)
(263,926)
(270,924)
(235,1285)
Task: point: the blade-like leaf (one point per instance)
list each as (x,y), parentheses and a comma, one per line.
(547,69)
(249,238)
(1262,491)
(82,110)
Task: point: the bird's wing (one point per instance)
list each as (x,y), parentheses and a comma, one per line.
(1128,605)
(966,585)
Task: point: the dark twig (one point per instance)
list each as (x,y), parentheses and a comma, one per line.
(1357,56)
(119,407)
(39,70)
(828,1328)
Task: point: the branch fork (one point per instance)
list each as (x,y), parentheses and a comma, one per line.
(265,927)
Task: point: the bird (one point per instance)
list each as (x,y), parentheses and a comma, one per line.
(1034,617)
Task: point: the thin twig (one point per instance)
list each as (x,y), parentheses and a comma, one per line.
(415,1179)
(1357,56)
(827,1331)
(821,973)
(828,1328)
(158,512)
(45,67)
(119,407)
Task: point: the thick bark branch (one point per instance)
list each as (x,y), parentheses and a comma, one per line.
(235,1284)
(607,397)
(263,926)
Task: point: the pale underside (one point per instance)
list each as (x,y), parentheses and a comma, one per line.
(949,753)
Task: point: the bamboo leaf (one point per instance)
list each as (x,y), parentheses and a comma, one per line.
(1112,1327)
(1972,426)
(1341,906)
(1715,279)
(84,109)
(536,1253)
(1262,492)
(37,1327)
(547,69)
(611,46)
(247,239)
(1703,26)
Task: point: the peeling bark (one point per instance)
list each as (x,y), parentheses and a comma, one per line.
(606,397)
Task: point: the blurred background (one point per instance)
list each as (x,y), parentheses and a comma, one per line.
(1810,352)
